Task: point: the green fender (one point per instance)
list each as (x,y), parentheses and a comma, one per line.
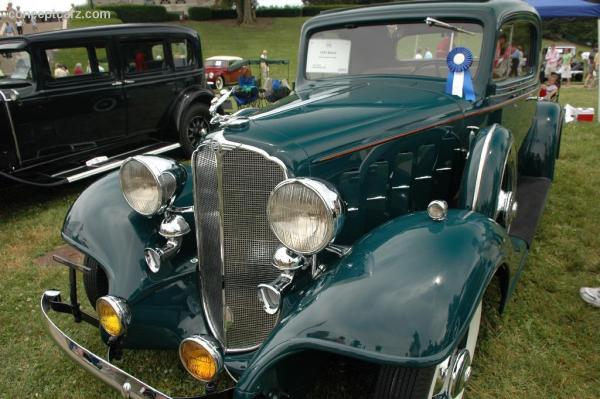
(103,226)
(541,147)
(484,170)
(404,295)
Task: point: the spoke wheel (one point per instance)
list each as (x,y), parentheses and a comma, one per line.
(194,127)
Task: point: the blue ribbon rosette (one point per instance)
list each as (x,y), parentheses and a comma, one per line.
(459,81)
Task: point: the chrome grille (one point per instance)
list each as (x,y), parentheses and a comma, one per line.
(244,180)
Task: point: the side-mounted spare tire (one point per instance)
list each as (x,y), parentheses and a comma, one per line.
(95,281)
(194,127)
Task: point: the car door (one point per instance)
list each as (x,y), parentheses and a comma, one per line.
(84,96)
(149,83)
(186,60)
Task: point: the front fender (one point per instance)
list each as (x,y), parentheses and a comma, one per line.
(102,225)
(191,95)
(404,295)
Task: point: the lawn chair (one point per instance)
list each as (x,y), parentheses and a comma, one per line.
(246,92)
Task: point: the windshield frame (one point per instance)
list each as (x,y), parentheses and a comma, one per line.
(403,12)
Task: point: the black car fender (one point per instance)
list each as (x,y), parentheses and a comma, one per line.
(190,96)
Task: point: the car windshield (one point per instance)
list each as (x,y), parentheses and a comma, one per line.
(414,48)
(216,63)
(15,65)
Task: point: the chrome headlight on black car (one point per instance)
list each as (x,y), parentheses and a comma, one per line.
(305,214)
(150,183)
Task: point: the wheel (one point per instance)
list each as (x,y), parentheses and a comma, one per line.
(409,383)
(95,281)
(194,127)
(219,82)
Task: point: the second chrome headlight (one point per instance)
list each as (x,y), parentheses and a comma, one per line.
(305,214)
(150,182)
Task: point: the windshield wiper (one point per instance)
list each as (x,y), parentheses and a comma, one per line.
(434,22)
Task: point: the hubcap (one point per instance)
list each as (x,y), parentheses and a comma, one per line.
(197,130)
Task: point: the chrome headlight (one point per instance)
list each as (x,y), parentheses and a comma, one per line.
(305,214)
(150,183)
(211,75)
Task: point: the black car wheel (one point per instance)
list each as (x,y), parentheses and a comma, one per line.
(194,127)
(219,83)
(95,281)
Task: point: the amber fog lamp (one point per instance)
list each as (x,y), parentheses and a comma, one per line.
(201,357)
(113,314)
(305,214)
(150,183)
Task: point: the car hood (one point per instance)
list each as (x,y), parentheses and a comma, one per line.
(329,119)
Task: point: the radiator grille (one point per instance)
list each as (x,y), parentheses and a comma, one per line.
(244,180)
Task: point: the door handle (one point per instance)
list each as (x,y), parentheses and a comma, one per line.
(117,83)
(128,82)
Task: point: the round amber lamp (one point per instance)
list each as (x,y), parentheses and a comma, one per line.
(109,317)
(198,360)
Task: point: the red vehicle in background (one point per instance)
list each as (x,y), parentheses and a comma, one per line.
(225,70)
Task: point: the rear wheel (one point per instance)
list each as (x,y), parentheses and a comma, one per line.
(219,83)
(194,127)
(95,281)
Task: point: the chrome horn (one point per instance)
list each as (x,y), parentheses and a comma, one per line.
(173,228)
(270,294)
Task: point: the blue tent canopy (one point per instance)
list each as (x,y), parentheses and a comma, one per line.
(566,8)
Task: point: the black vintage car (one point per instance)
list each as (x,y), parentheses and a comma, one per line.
(77,102)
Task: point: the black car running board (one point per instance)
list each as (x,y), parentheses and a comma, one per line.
(83,172)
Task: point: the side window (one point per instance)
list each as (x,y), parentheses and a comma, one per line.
(183,55)
(144,57)
(102,58)
(514,55)
(68,61)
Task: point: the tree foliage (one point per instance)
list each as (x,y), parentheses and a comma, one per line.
(326,2)
(578,30)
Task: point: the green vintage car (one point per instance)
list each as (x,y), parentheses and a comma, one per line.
(351,230)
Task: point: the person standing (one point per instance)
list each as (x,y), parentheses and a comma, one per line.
(264,69)
(34,25)
(565,69)
(515,61)
(19,24)
(589,79)
(9,31)
(428,55)
(552,58)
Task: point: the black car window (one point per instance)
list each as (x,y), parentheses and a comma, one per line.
(514,54)
(183,55)
(144,57)
(102,60)
(68,62)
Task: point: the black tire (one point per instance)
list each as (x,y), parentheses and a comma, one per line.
(219,82)
(95,281)
(195,125)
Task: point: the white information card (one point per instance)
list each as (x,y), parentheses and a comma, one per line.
(328,56)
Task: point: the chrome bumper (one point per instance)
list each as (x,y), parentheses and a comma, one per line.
(129,386)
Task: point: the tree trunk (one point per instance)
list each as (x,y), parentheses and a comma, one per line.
(239,9)
(248,14)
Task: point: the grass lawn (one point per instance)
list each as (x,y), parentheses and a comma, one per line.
(546,345)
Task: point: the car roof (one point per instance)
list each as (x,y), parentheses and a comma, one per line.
(499,6)
(224,58)
(102,31)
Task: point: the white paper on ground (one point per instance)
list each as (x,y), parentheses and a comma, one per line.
(328,56)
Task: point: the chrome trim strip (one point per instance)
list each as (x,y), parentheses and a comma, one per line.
(116,164)
(402,187)
(12,124)
(380,197)
(482,160)
(442,169)
(422,177)
(100,368)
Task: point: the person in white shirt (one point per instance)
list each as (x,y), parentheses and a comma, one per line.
(418,56)
(19,24)
(428,54)
(552,58)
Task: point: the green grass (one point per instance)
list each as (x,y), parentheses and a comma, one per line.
(544,346)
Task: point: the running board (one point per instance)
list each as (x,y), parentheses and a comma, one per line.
(96,170)
(532,193)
